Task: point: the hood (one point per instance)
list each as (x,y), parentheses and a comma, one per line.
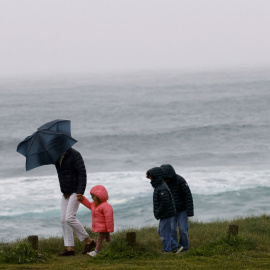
(169,172)
(100,192)
(157,175)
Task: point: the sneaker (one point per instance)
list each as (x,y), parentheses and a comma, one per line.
(178,249)
(92,253)
(89,247)
(67,253)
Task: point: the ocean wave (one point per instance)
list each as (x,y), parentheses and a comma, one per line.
(41,194)
(216,182)
(171,131)
(232,204)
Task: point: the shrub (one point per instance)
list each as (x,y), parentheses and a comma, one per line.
(226,245)
(20,254)
(119,249)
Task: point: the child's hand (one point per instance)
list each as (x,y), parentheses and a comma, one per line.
(80,197)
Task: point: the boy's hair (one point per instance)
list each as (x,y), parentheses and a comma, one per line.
(147,174)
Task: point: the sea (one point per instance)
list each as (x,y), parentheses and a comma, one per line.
(213,127)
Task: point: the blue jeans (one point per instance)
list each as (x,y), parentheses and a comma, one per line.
(165,233)
(181,219)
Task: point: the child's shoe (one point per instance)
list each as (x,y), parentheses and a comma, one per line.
(89,247)
(92,253)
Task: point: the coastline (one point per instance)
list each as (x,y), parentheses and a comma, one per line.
(211,247)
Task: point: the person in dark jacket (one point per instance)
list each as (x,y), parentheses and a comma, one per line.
(164,209)
(72,178)
(183,202)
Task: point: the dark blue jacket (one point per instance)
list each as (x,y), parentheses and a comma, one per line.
(72,173)
(180,190)
(163,204)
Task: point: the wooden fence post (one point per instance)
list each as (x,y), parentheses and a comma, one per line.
(33,241)
(233,229)
(131,238)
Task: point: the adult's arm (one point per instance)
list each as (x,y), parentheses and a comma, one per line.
(164,201)
(81,172)
(187,197)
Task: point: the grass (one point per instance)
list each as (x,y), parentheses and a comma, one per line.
(211,247)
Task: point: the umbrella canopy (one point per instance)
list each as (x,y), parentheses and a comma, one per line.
(47,144)
(58,126)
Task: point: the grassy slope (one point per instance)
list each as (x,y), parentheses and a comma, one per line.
(210,248)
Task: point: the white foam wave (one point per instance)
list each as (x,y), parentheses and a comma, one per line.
(23,195)
(215,182)
(38,194)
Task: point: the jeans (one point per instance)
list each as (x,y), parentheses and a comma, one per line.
(182,220)
(165,233)
(70,224)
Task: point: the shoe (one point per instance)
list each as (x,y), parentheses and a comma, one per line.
(92,253)
(178,249)
(89,247)
(67,253)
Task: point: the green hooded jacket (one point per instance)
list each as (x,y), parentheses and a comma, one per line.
(180,190)
(163,204)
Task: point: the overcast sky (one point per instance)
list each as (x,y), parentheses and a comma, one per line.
(64,36)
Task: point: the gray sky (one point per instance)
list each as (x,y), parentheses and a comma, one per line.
(63,36)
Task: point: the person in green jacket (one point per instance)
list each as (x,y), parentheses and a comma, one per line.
(183,202)
(164,209)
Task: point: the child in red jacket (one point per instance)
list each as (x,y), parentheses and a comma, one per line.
(102,215)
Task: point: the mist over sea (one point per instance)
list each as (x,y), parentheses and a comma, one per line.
(213,127)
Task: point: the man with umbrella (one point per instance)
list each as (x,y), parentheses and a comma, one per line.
(51,144)
(72,178)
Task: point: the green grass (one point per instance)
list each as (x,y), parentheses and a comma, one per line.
(211,247)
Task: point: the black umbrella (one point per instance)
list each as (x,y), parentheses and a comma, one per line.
(47,144)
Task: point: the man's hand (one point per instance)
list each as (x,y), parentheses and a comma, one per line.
(80,197)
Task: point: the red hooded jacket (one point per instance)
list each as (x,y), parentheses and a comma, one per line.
(102,215)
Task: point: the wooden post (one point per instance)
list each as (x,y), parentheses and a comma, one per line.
(131,238)
(33,241)
(233,229)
